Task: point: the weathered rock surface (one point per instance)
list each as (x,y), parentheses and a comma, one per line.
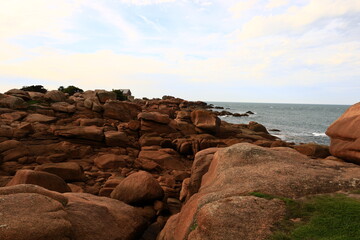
(69,171)
(55,96)
(243,168)
(122,111)
(43,179)
(345,135)
(205,120)
(90,132)
(31,213)
(138,188)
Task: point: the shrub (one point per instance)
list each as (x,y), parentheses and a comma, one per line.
(71,90)
(119,95)
(34,88)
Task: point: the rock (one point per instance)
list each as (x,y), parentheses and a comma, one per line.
(103,95)
(115,138)
(9,144)
(69,171)
(6,131)
(200,166)
(138,188)
(154,127)
(155,117)
(37,96)
(19,93)
(344,134)
(35,117)
(89,133)
(12,102)
(30,188)
(166,158)
(123,111)
(13,116)
(90,122)
(43,179)
(31,216)
(205,120)
(63,107)
(223,198)
(110,161)
(94,217)
(55,96)
(313,150)
(257,127)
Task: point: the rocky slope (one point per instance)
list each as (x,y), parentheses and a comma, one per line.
(88,161)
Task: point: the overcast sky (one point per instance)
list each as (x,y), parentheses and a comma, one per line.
(295,51)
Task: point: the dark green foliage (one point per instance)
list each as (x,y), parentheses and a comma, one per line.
(321,217)
(119,95)
(71,90)
(34,88)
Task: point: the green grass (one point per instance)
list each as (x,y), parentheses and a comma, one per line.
(322,217)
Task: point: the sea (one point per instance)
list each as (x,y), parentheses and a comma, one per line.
(298,123)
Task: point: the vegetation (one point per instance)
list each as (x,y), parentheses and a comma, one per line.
(71,90)
(119,95)
(34,88)
(324,217)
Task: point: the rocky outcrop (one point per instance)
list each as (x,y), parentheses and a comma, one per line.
(29,213)
(345,135)
(234,173)
(122,111)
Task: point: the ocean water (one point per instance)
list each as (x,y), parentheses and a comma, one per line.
(299,123)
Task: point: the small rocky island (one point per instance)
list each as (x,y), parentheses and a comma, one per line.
(93,166)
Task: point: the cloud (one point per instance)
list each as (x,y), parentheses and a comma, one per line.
(146,2)
(276,3)
(296,18)
(48,18)
(242,7)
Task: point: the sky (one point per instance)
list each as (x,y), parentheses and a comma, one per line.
(279,51)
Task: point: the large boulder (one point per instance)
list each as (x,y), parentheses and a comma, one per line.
(55,96)
(29,212)
(103,95)
(116,138)
(205,120)
(63,107)
(19,93)
(43,179)
(155,117)
(89,133)
(36,117)
(235,172)
(345,135)
(110,161)
(138,188)
(12,102)
(123,111)
(69,171)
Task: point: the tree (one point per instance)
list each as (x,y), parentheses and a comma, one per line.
(71,90)
(34,88)
(119,95)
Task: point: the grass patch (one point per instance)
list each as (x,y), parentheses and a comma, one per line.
(193,226)
(322,217)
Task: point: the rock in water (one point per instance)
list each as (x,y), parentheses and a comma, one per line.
(345,135)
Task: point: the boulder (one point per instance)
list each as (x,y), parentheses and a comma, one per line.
(36,117)
(313,150)
(205,120)
(155,117)
(12,102)
(138,188)
(123,111)
(36,96)
(104,96)
(43,179)
(13,116)
(111,161)
(235,172)
(257,127)
(69,171)
(115,139)
(63,107)
(55,96)
(165,157)
(344,134)
(89,133)
(9,144)
(19,93)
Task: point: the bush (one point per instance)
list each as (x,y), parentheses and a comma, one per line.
(71,90)
(34,88)
(119,95)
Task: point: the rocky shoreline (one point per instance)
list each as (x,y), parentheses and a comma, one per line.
(88,166)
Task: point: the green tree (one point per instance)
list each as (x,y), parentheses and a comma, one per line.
(71,90)
(34,88)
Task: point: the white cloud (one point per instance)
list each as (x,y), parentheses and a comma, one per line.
(297,17)
(146,2)
(242,7)
(276,3)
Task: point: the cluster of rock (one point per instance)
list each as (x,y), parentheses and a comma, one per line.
(91,167)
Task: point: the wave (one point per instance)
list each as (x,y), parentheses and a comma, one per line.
(319,134)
